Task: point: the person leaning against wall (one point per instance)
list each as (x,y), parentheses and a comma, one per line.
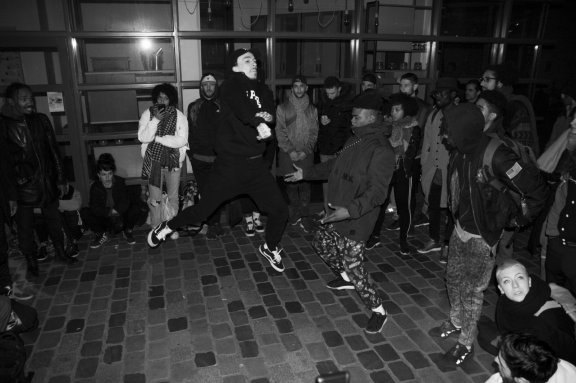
(163,132)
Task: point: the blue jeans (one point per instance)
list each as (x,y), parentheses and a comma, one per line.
(172,181)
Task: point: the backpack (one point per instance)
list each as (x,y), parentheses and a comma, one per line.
(12,358)
(510,201)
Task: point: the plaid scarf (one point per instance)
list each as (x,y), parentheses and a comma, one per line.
(157,155)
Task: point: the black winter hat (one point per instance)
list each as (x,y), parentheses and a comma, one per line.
(370,77)
(369,100)
(233,57)
(332,82)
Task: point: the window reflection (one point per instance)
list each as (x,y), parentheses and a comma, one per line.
(467,18)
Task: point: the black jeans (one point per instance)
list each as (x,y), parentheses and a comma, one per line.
(233,176)
(25,222)
(113,224)
(202,171)
(561,264)
(5,279)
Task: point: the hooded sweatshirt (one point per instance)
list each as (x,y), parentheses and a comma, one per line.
(242,98)
(203,119)
(465,129)
(477,206)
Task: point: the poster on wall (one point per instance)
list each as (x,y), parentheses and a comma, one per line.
(55,102)
(10,68)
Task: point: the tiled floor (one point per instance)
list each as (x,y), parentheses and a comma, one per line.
(214,311)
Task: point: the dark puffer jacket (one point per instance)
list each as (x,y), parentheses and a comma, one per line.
(358,179)
(34,158)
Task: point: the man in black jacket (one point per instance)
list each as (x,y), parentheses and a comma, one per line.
(7,209)
(480,214)
(247,109)
(38,173)
(203,115)
(110,208)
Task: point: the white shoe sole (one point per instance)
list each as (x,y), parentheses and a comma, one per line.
(341,287)
(149,240)
(381,328)
(429,250)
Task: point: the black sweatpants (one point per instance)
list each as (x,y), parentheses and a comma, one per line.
(233,176)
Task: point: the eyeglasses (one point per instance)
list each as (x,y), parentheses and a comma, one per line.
(486,79)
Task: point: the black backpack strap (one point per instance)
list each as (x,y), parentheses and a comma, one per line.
(488,171)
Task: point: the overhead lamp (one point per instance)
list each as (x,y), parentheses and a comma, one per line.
(290,5)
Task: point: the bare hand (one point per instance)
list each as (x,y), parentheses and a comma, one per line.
(63,189)
(265,115)
(159,115)
(338,213)
(301,156)
(324,120)
(13,208)
(294,156)
(298,175)
(263,131)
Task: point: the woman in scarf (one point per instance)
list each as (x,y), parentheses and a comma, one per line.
(163,132)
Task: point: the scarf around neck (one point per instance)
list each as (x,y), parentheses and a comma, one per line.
(157,155)
(513,316)
(401,132)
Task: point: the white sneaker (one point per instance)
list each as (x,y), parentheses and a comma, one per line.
(157,235)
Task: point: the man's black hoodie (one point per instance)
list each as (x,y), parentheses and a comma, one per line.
(241,99)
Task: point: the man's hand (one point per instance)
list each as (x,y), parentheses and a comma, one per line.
(294,156)
(265,115)
(301,156)
(324,120)
(338,213)
(13,208)
(63,189)
(298,175)
(263,131)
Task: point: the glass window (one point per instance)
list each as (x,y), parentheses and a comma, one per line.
(32,66)
(390,18)
(465,18)
(129,16)
(326,16)
(210,55)
(525,19)
(548,63)
(222,15)
(126,153)
(520,58)
(32,15)
(114,61)
(114,111)
(394,58)
(313,58)
(463,59)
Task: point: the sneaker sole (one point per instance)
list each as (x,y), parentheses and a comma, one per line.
(405,252)
(429,250)
(377,244)
(380,330)
(149,240)
(341,288)
(250,234)
(393,228)
(260,231)
(270,260)
(422,224)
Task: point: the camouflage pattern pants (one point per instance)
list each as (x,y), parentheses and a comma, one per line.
(468,273)
(345,255)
